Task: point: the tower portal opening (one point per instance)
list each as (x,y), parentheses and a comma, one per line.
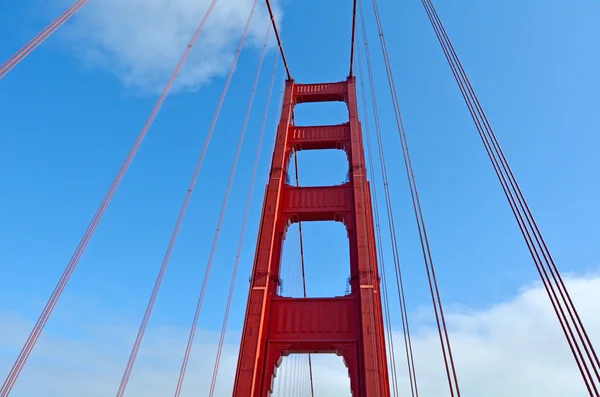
(320,113)
(329,374)
(326,260)
(319,168)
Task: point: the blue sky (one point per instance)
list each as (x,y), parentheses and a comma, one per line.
(70,112)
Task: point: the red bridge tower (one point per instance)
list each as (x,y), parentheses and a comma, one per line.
(350,326)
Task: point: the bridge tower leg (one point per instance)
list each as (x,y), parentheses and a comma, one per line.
(350,326)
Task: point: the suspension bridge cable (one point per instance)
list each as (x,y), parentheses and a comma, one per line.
(280,104)
(526,233)
(312,388)
(426,249)
(217,235)
(520,209)
(366,212)
(353,38)
(289,363)
(297,285)
(279,384)
(294,381)
(245,219)
(272,16)
(302,381)
(536,244)
(506,168)
(298,375)
(300,285)
(38,39)
(188,196)
(298,357)
(304,389)
(392,355)
(295,280)
(51,304)
(209,265)
(390,215)
(307,377)
(297,366)
(399,281)
(286,377)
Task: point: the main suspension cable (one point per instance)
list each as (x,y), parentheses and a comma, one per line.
(390,214)
(352,39)
(535,242)
(246,212)
(272,16)
(174,235)
(38,39)
(51,304)
(427,256)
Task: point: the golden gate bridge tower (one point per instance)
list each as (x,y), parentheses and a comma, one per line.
(355,326)
(350,326)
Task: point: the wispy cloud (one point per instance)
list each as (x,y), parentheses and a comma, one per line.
(514,348)
(141,41)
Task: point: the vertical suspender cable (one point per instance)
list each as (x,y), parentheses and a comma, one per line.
(244,221)
(182,212)
(312,388)
(388,320)
(288,382)
(535,242)
(392,229)
(427,256)
(43,319)
(295,284)
(222,213)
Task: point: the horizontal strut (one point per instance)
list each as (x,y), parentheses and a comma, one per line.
(319,137)
(321,203)
(313,320)
(322,92)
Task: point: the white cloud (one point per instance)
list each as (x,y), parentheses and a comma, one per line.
(141,41)
(514,348)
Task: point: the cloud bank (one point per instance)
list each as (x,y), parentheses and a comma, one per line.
(514,348)
(141,41)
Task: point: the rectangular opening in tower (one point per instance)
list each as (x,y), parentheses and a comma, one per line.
(329,376)
(326,260)
(320,113)
(319,168)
